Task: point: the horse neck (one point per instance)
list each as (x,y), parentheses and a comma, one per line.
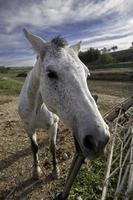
(33,84)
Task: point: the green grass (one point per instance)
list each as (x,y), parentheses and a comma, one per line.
(89,181)
(10,86)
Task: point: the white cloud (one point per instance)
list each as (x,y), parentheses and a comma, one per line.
(9,40)
(48,13)
(9,60)
(122,44)
(116,23)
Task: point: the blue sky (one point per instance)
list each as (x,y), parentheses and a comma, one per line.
(97,23)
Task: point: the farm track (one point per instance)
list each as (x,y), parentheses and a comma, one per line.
(16,157)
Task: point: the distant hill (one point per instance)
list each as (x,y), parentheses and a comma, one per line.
(123,55)
(16,67)
(96,57)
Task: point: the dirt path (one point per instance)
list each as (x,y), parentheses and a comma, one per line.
(16,157)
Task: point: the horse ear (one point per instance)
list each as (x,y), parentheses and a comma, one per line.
(37,43)
(76,47)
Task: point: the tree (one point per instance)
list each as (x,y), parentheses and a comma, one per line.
(131,46)
(90,55)
(104,50)
(114,48)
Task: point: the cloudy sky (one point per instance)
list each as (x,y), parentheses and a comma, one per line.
(97,23)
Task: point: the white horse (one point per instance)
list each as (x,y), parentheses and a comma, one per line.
(56,88)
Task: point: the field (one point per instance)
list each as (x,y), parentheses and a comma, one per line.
(112,72)
(15,153)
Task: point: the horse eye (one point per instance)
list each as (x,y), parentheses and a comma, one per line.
(52,74)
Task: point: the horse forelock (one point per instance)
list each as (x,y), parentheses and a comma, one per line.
(59,41)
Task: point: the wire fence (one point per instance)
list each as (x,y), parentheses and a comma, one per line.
(120,152)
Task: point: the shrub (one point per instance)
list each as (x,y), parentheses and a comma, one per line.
(4,69)
(106,59)
(22,74)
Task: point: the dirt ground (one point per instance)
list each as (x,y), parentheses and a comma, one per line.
(16,156)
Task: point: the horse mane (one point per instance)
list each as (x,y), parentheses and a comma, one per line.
(59,41)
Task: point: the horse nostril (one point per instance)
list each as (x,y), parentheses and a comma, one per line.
(89,143)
